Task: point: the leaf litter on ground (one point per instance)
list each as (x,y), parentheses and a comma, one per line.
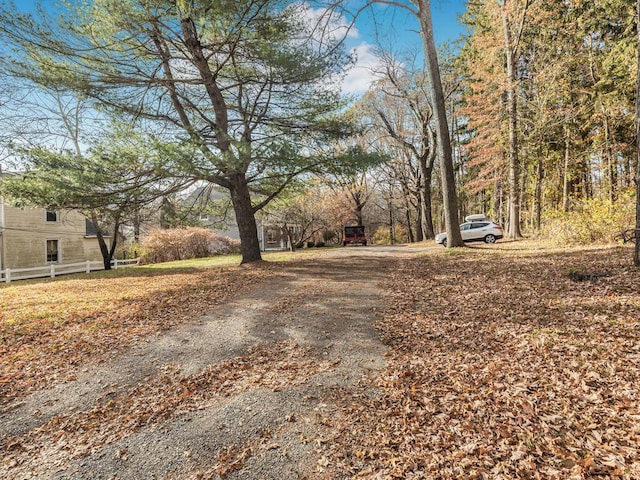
(50,329)
(502,367)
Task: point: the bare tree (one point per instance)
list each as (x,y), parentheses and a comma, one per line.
(422,11)
(636,255)
(402,111)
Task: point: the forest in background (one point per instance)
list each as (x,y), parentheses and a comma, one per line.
(572,67)
(540,101)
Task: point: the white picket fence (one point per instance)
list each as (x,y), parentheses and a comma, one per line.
(54,270)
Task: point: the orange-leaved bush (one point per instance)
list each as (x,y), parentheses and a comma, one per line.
(184,243)
(592,221)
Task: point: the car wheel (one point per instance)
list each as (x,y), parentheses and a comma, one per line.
(490,239)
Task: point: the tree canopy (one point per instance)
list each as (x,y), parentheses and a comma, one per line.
(246,83)
(110,183)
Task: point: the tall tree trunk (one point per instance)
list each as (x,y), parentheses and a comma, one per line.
(587,179)
(427,213)
(412,207)
(539,177)
(628,177)
(422,215)
(450,200)
(484,201)
(102,243)
(426,171)
(114,238)
(245,217)
(636,252)
(407,216)
(358,213)
(523,199)
(136,226)
(610,161)
(419,209)
(391,226)
(498,203)
(513,229)
(565,173)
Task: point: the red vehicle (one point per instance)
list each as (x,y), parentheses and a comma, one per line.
(354,235)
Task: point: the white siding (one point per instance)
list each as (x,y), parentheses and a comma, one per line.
(25,235)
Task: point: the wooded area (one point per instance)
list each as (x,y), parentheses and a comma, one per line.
(550,88)
(530,118)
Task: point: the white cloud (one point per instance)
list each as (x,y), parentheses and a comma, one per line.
(326,23)
(366,70)
(332,25)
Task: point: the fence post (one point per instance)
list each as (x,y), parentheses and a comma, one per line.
(7,275)
(53,271)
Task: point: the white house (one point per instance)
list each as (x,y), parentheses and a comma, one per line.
(35,237)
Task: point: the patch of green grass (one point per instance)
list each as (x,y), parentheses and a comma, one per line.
(178,266)
(217,261)
(456,251)
(233,260)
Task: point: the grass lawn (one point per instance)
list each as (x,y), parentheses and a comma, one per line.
(50,326)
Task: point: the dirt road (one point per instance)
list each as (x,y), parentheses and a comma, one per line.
(240,393)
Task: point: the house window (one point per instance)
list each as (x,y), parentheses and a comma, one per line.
(271,236)
(52,216)
(52,251)
(89,227)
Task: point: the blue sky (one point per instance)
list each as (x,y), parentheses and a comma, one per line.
(391,28)
(396,30)
(392,23)
(389,19)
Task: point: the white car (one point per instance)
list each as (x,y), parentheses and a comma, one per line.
(475,229)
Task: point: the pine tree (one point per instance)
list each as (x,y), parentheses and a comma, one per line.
(241,81)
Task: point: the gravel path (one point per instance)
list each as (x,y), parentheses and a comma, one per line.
(324,307)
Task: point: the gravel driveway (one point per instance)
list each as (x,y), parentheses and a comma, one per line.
(298,341)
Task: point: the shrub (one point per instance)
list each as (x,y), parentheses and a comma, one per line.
(132,250)
(310,244)
(330,236)
(319,244)
(184,243)
(382,236)
(595,220)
